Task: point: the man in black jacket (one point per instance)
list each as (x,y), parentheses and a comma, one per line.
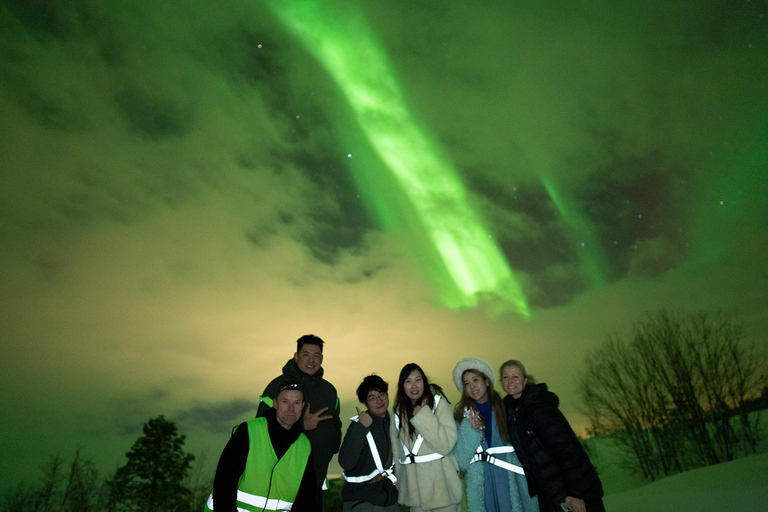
(557,468)
(366,453)
(321,422)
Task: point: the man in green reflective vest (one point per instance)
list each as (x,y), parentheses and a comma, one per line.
(267,463)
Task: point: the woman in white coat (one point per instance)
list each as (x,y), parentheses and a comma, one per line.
(423,435)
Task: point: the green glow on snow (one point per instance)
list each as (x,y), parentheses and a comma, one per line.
(342,41)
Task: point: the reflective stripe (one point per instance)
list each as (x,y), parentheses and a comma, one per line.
(412,458)
(376,460)
(267,400)
(255,501)
(262,502)
(360,479)
(499,449)
(417,459)
(487,456)
(324,487)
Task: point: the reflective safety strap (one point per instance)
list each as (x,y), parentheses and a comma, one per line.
(486,456)
(267,400)
(262,502)
(267,504)
(499,449)
(325,484)
(416,459)
(376,460)
(412,458)
(370,476)
(360,479)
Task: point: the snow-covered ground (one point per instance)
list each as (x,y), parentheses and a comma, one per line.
(740,485)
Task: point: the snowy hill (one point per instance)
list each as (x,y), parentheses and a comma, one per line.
(741,485)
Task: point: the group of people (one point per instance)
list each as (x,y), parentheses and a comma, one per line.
(516,454)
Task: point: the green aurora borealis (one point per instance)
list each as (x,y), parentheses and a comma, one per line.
(340,39)
(185,189)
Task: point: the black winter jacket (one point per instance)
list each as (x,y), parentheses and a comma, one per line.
(554,461)
(355,459)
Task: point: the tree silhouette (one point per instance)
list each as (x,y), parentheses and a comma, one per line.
(675,394)
(151,480)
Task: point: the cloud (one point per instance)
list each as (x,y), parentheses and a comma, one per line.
(218,417)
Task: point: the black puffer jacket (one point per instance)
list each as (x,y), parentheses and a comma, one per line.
(555,463)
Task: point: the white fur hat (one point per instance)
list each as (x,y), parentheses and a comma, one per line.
(472,363)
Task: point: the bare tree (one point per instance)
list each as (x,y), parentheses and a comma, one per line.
(82,491)
(49,484)
(674,394)
(199,481)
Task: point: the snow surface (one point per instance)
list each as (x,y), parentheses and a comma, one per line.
(740,485)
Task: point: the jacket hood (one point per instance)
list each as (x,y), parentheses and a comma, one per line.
(292,369)
(539,394)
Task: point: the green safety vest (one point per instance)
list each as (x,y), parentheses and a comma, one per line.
(268,483)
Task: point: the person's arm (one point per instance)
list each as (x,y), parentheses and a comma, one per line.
(466,445)
(335,440)
(561,443)
(353,446)
(438,429)
(307,499)
(397,449)
(231,467)
(271,392)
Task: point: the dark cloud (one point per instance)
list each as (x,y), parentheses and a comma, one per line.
(536,241)
(46,20)
(632,199)
(152,115)
(218,418)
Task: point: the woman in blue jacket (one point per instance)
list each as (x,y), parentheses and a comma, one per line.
(494,477)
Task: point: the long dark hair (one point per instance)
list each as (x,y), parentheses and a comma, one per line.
(403,405)
(493,397)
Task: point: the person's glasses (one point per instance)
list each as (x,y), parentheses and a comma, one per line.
(376,397)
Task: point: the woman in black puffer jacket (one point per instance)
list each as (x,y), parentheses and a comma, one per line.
(556,465)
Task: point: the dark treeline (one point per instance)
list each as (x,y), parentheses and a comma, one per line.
(157,477)
(680,393)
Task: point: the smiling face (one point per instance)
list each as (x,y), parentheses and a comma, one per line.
(413,386)
(288,407)
(475,386)
(377,402)
(513,381)
(309,358)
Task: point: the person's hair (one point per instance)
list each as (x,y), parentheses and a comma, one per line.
(515,362)
(403,405)
(371,382)
(309,339)
(494,398)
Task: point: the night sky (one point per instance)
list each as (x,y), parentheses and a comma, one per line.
(187,188)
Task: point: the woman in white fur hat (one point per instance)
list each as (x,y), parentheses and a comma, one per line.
(494,477)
